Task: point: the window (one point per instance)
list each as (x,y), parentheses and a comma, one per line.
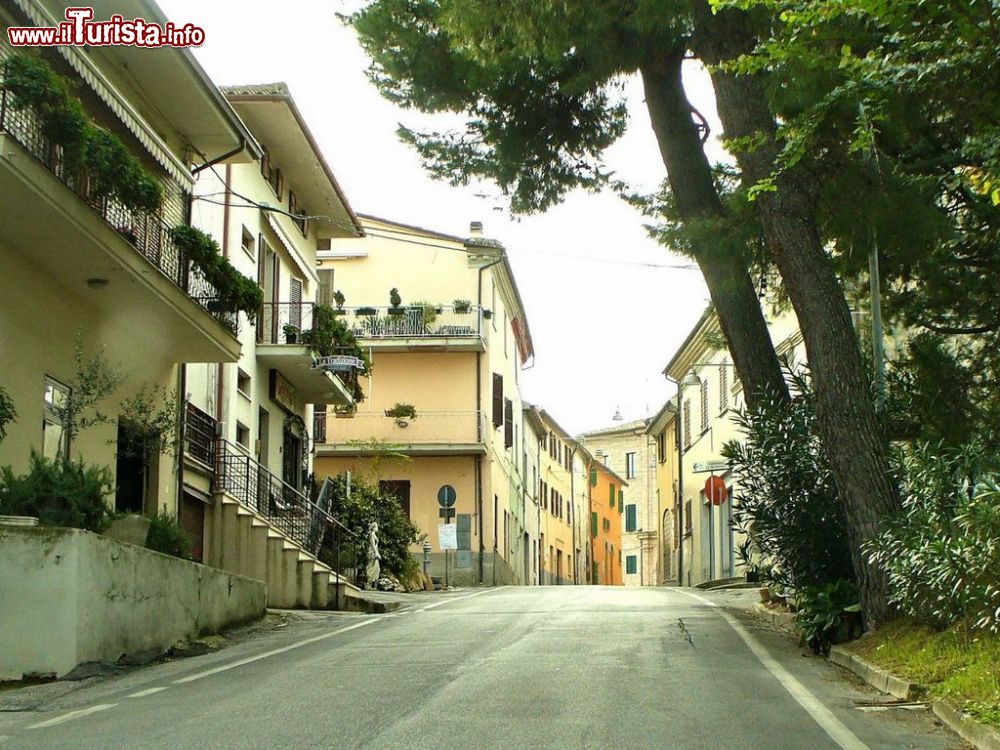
(661,446)
(505,333)
(498,404)
(398,488)
(242,383)
(687,518)
(296,210)
(324,294)
(704,405)
(723,387)
(631,565)
(248,243)
(243,435)
(54,437)
(508,423)
(630,518)
(607,525)
(630,466)
(593,477)
(271,173)
(687,424)
(611,495)
(593,524)
(621,500)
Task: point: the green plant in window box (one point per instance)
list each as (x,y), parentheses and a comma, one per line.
(339,299)
(402,411)
(428,311)
(368,312)
(462,306)
(487,314)
(115,172)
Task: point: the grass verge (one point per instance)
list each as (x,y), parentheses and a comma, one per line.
(955,665)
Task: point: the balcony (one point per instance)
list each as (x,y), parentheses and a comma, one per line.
(417,328)
(118,262)
(281,330)
(442,433)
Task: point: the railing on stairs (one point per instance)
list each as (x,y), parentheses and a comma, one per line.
(290,511)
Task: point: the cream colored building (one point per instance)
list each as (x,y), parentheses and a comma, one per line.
(453,349)
(629,450)
(662,429)
(710,395)
(81,266)
(259,408)
(559,538)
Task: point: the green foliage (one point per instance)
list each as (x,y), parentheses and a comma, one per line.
(462,306)
(330,335)
(339,298)
(394,299)
(428,311)
(94,379)
(942,555)
(366,505)
(8,413)
(828,614)
(402,411)
(149,424)
(236,292)
(112,170)
(59,493)
(167,536)
(787,503)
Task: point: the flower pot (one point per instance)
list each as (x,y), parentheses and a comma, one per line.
(397,311)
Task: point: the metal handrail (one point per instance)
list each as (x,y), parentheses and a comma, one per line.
(413,321)
(147,232)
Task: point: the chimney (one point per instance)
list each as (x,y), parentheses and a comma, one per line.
(476,229)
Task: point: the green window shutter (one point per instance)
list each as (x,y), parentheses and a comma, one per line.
(593,477)
(630,518)
(631,564)
(621,501)
(611,498)
(593,524)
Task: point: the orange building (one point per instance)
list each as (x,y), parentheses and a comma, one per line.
(607,502)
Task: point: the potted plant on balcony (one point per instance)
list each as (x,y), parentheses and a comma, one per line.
(291,334)
(396,302)
(487,314)
(428,312)
(462,306)
(402,411)
(368,312)
(339,298)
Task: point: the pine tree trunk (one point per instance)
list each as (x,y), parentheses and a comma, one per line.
(849,427)
(726,275)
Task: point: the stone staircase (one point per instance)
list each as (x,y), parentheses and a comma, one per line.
(261,528)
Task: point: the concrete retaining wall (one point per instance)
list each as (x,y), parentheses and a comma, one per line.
(68,597)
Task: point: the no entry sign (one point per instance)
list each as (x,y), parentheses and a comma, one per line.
(715,490)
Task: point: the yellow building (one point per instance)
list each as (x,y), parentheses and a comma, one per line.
(447,334)
(559,534)
(710,394)
(85,264)
(662,429)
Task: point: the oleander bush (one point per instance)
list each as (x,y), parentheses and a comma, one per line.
(59,493)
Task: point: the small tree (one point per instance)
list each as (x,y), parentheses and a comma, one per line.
(94,380)
(8,413)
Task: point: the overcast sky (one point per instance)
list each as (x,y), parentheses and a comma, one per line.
(607,306)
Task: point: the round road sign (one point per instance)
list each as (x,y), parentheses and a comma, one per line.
(715,490)
(447,496)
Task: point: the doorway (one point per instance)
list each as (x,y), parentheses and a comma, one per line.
(130,475)
(527,559)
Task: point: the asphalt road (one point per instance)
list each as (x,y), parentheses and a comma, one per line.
(555,667)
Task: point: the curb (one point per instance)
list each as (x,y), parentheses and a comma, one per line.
(875,676)
(978,735)
(783,620)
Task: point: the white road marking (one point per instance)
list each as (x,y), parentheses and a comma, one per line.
(73,715)
(144,693)
(274,652)
(455,599)
(822,715)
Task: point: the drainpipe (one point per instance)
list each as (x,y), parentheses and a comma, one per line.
(572,501)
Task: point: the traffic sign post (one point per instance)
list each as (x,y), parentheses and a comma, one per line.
(447,534)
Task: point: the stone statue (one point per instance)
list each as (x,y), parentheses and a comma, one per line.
(374,569)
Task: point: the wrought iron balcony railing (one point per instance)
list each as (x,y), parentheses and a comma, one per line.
(414,322)
(148,233)
(200,435)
